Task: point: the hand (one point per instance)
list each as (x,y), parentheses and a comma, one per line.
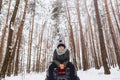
(62,66)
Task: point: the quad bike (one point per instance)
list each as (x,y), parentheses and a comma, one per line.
(62,74)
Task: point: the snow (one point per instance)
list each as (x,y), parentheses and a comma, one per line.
(91,74)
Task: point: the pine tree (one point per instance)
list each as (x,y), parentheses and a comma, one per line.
(9,41)
(102,42)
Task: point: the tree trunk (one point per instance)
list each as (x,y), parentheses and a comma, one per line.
(71,38)
(92,41)
(84,51)
(30,38)
(9,41)
(118,27)
(20,30)
(101,37)
(40,48)
(0,6)
(117,9)
(3,35)
(112,31)
(34,58)
(38,54)
(78,49)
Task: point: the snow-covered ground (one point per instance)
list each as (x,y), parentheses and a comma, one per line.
(90,74)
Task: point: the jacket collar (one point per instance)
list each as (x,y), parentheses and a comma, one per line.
(61,52)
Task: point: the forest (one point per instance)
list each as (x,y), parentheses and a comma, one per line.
(30,29)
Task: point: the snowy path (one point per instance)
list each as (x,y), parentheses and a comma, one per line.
(91,74)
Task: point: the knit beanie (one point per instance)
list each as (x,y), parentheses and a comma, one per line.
(61,43)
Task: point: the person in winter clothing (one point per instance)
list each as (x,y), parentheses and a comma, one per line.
(61,60)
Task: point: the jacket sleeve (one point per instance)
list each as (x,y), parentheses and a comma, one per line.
(68,58)
(55,58)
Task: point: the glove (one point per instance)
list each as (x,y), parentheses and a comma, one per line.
(62,66)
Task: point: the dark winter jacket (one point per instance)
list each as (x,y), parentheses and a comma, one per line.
(61,59)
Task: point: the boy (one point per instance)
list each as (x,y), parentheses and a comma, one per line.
(61,60)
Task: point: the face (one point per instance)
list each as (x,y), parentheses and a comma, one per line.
(61,48)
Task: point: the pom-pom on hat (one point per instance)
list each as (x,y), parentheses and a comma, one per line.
(60,43)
